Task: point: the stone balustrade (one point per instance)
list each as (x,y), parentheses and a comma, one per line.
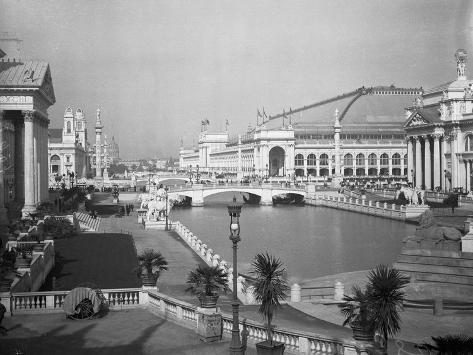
(211,258)
(185,314)
(323,291)
(386,210)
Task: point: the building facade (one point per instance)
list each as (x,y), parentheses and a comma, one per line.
(26,93)
(67,147)
(353,135)
(439,131)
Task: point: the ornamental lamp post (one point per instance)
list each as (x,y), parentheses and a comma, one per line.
(166,228)
(234,210)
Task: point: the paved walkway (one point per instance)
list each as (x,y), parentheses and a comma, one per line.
(417,326)
(134,331)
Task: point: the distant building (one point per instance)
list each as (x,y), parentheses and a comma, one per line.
(67,147)
(113,151)
(356,135)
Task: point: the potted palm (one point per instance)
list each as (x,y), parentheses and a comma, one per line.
(377,307)
(207,282)
(355,308)
(150,265)
(270,287)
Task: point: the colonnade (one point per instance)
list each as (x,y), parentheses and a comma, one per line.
(427,165)
(31,158)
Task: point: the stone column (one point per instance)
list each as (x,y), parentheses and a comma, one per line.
(378,164)
(410,160)
(28,157)
(366,165)
(402,164)
(468,172)
(35,160)
(453,158)
(390,171)
(427,167)
(418,162)
(437,161)
(3,210)
(444,164)
(354,165)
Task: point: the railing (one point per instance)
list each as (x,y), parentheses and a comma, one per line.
(52,301)
(282,186)
(391,211)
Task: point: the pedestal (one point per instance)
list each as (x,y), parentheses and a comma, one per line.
(467,243)
(209,325)
(413,211)
(141,214)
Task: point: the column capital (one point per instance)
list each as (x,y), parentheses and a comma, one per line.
(416,138)
(437,135)
(28,115)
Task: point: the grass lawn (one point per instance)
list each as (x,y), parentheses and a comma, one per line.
(105,260)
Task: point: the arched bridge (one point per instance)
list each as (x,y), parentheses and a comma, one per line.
(198,192)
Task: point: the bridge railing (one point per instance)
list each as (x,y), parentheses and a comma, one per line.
(283,186)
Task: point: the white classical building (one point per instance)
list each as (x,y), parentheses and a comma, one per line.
(354,135)
(26,93)
(439,132)
(67,147)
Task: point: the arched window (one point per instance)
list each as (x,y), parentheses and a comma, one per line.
(324,159)
(372,159)
(348,160)
(396,159)
(360,159)
(299,160)
(469,143)
(68,127)
(311,160)
(384,159)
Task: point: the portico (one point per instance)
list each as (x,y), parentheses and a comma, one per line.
(26,92)
(439,129)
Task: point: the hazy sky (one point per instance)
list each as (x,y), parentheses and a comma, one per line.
(157,68)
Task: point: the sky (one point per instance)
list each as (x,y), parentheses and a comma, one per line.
(158,68)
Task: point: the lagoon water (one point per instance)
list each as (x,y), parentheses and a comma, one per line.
(311,241)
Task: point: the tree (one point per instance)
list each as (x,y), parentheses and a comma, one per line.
(270,287)
(385,299)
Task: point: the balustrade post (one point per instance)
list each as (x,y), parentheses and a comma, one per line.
(144,297)
(304,345)
(162,306)
(6,300)
(339,291)
(179,313)
(49,301)
(295,293)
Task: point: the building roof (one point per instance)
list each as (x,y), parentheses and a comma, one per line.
(364,109)
(55,135)
(28,74)
(454,84)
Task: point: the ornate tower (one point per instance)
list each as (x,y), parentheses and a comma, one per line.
(81,128)
(461,56)
(69,131)
(98,146)
(105,158)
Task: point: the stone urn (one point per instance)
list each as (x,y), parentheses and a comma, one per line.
(266,348)
(5,285)
(148,280)
(362,333)
(208,301)
(22,262)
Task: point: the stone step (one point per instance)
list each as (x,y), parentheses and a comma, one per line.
(434,269)
(435,260)
(438,253)
(441,278)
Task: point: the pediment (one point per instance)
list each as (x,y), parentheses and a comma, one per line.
(417,120)
(46,87)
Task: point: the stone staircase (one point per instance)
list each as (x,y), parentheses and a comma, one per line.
(87,223)
(437,273)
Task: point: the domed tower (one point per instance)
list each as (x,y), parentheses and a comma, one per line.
(461,56)
(81,128)
(69,131)
(98,146)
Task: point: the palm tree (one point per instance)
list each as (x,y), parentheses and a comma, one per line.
(355,308)
(206,282)
(451,345)
(270,285)
(150,264)
(385,299)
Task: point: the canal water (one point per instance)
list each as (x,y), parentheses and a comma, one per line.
(311,241)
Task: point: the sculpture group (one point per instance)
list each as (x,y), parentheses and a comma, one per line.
(415,196)
(158,204)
